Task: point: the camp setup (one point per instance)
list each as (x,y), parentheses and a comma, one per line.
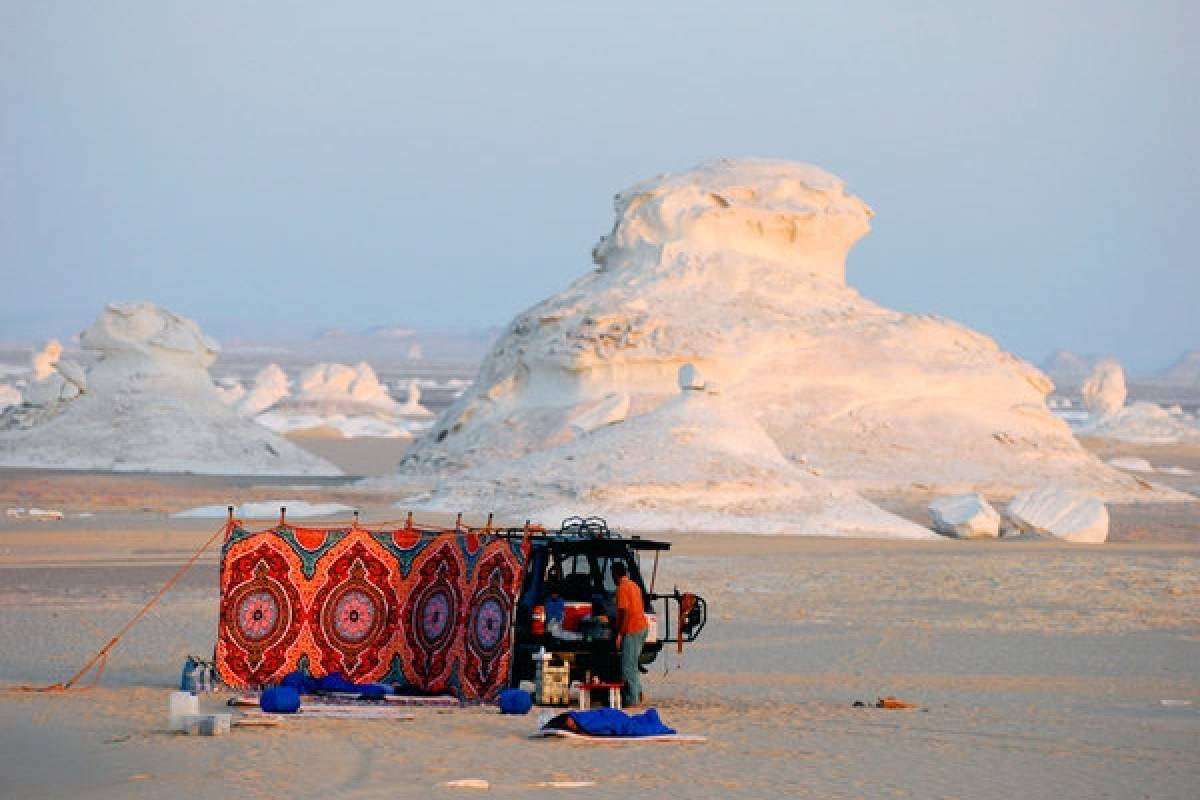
(370,622)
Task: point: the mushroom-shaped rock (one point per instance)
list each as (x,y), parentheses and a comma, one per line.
(967,516)
(1071,515)
(736,268)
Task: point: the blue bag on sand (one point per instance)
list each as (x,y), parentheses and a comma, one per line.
(280,700)
(515,701)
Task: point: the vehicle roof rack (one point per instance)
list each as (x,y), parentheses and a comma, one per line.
(588,527)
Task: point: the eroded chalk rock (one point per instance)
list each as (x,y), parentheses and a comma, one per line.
(1066,514)
(967,516)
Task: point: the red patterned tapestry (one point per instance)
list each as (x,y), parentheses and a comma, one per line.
(427,609)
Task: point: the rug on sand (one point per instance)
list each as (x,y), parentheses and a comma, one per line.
(427,609)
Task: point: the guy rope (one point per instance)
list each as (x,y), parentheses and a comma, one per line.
(98,661)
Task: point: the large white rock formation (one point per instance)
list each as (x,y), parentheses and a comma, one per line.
(738,268)
(149,405)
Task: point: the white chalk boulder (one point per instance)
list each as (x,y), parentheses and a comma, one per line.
(1064,513)
(967,516)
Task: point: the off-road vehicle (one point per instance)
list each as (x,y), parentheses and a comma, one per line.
(566,604)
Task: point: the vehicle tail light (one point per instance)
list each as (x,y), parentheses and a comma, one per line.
(539,621)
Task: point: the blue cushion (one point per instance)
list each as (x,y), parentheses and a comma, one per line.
(280,700)
(515,701)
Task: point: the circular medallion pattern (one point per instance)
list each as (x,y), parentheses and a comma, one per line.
(354,616)
(490,623)
(436,610)
(257,615)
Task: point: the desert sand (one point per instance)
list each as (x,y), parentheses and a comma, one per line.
(1043,669)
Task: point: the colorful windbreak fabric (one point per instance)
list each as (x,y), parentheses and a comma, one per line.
(428,609)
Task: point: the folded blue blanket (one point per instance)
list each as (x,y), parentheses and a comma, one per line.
(333,682)
(614,722)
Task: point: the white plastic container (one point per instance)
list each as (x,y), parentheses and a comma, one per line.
(652,629)
(179,707)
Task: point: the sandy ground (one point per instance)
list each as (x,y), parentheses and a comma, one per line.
(1042,667)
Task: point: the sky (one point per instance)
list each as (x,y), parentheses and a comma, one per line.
(270,169)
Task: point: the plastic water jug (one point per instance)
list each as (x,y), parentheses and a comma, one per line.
(180,706)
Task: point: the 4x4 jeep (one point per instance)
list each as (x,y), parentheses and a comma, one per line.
(567,605)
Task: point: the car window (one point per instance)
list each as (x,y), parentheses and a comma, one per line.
(577,582)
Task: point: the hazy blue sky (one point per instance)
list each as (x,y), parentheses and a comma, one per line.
(285,166)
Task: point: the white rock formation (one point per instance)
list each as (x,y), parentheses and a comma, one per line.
(737,267)
(45,359)
(230,390)
(1104,390)
(1070,515)
(270,386)
(967,516)
(53,381)
(1139,423)
(149,405)
(337,388)
(1142,423)
(342,401)
(9,396)
(412,403)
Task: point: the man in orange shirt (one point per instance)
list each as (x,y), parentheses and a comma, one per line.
(631,633)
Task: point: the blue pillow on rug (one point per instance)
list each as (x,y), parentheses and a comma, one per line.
(515,701)
(280,700)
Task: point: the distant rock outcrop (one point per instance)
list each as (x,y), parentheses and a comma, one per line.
(1143,422)
(1185,372)
(148,404)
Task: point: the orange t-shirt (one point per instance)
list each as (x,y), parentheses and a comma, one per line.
(630,609)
